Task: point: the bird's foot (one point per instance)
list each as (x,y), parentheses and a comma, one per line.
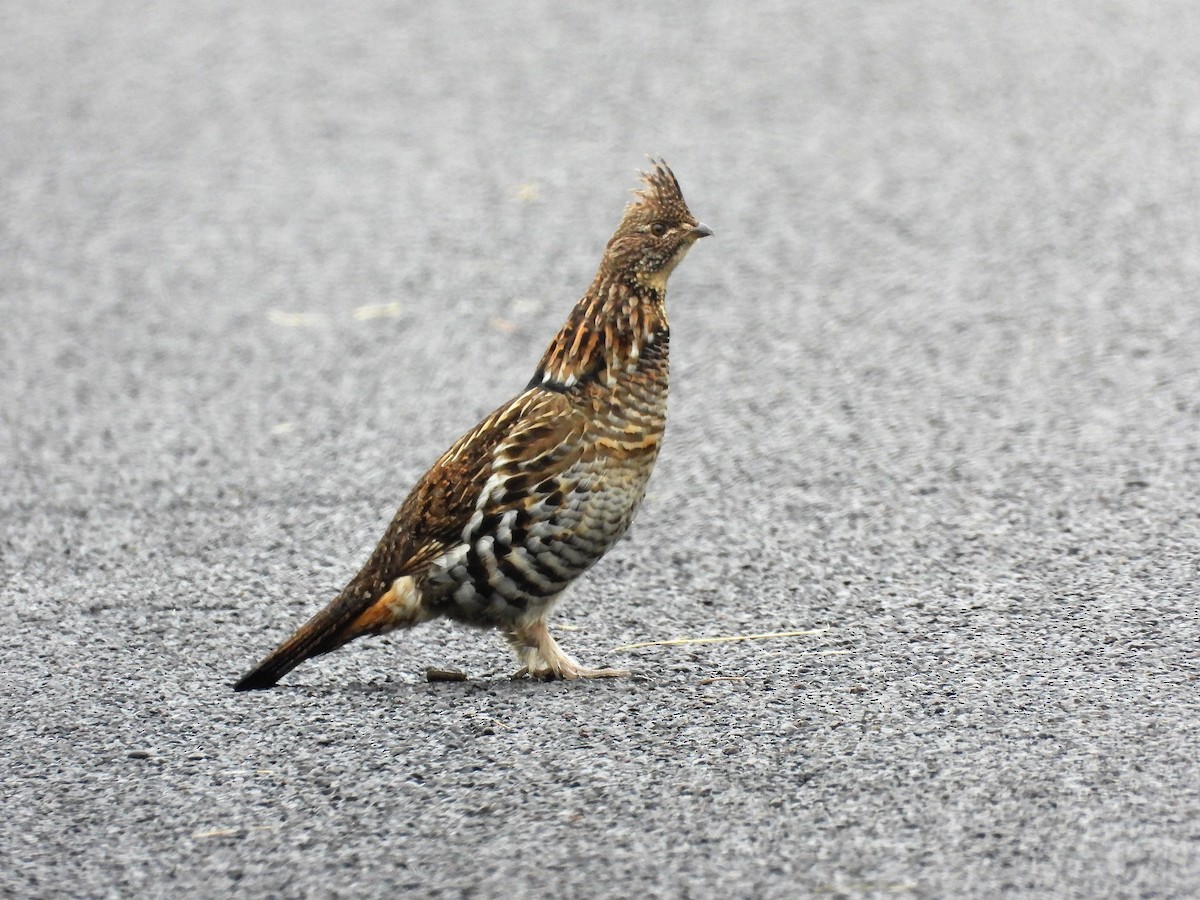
(568,670)
(541,657)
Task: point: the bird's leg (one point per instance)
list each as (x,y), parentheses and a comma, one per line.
(541,657)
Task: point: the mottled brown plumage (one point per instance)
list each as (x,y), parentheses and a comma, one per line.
(537,492)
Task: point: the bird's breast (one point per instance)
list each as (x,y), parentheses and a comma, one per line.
(627,413)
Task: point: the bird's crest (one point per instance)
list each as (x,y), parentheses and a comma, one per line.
(659,195)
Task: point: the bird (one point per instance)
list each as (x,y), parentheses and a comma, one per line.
(520,506)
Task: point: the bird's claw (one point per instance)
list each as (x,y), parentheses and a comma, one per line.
(568,673)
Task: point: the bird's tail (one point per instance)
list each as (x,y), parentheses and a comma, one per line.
(352,614)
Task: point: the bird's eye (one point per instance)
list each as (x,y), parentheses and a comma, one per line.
(658,229)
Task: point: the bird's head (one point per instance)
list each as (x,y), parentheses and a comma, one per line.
(656,231)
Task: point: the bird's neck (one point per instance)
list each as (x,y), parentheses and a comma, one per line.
(608,332)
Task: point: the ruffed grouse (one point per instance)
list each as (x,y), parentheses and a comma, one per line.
(537,492)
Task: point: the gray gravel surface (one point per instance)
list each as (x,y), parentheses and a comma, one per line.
(936,390)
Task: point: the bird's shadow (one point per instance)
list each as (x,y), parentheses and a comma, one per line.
(498,683)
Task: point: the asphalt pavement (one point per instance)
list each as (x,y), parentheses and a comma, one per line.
(935,400)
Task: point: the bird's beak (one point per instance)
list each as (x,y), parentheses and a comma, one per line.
(700,230)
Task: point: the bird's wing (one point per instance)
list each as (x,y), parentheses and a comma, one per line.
(511,459)
(500,464)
